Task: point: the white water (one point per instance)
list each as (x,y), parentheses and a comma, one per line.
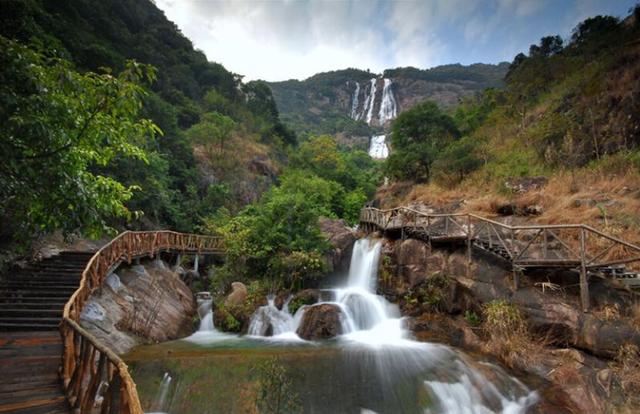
(355,102)
(206,315)
(160,403)
(373,327)
(378,148)
(372,99)
(388,107)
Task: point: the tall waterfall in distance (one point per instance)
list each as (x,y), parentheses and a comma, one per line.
(372,100)
(388,105)
(354,102)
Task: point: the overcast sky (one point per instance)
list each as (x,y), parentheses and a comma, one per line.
(285,39)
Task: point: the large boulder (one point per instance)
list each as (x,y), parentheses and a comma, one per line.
(237,296)
(416,261)
(342,238)
(321,321)
(140,304)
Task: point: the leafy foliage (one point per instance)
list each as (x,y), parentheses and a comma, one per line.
(418,136)
(274,388)
(189,94)
(59,126)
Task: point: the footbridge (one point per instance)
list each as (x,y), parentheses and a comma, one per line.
(579,247)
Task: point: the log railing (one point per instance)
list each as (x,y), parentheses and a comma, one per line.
(565,245)
(95,379)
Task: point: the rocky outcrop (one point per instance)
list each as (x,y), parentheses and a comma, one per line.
(341,238)
(140,304)
(320,322)
(237,296)
(575,341)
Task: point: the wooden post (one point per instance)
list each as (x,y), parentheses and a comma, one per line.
(584,284)
(468,246)
(516,278)
(544,244)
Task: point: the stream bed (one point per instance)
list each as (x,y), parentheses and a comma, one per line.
(374,366)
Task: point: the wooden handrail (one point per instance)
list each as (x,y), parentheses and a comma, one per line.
(93,376)
(519,248)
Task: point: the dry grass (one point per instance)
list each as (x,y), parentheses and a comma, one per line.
(606,198)
(507,334)
(627,366)
(635,316)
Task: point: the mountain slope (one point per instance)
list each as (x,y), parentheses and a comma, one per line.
(184,179)
(350,101)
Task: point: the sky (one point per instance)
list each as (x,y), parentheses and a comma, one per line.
(293,39)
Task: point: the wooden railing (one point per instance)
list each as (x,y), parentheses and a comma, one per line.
(96,379)
(566,245)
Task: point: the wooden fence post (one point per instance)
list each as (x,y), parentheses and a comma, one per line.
(584,284)
(468,245)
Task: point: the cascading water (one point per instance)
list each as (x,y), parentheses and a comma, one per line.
(378,147)
(372,99)
(160,402)
(373,366)
(355,102)
(206,315)
(374,335)
(388,105)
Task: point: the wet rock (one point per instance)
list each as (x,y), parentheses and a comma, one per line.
(238,294)
(525,184)
(411,258)
(320,322)
(304,297)
(143,303)
(342,238)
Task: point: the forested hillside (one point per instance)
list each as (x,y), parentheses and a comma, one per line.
(569,116)
(218,141)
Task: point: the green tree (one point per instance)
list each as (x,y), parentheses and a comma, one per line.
(59,127)
(212,128)
(418,135)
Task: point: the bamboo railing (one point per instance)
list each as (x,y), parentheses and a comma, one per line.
(95,379)
(561,245)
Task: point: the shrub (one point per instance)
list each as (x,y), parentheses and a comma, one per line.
(507,331)
(274,392)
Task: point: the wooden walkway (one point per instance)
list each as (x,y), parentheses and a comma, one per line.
(29,380)
(590,252)
(31,304)
(48,363)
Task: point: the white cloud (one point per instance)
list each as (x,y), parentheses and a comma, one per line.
(283,39)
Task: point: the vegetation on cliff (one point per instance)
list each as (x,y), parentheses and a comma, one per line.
(200,138)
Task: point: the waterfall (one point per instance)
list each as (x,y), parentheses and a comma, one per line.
(160,401)
(268,320)
(388,105)
(354,102)
(378,147)
(372,99)
(206,315)
(374,333)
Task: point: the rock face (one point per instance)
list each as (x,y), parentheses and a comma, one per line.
(139,304)
(238,294)
(553,315)
(342,239)
(320,322)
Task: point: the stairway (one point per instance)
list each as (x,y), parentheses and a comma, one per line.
(32,298)
(31,303)
(622,274)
